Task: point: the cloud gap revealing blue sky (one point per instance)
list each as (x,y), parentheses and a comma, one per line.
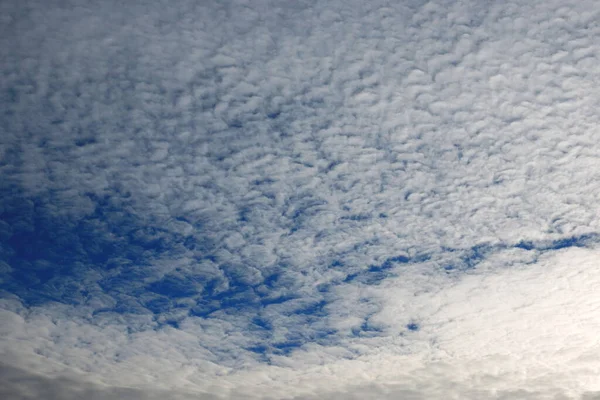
(111,251)
(299,200)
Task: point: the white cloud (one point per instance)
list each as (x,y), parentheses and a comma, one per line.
(491,333)
(311,167)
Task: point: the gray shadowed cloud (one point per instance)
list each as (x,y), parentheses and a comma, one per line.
(18,384)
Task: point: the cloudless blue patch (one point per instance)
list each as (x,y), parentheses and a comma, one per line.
(573,241)
(244,214)
(290,343)
(525,245)
(265,301)
(558,244)
(271,280)
(190,243)
(259,349)
(351,277)
(331,166)
(262,323)
(476,255)
(376,273)
(158,305)
(396,259)
(286,347)
(357,217)
(236,298)
(568,242)
(172,323)
(173,287)
(413,326)
(84,141)
(51,254)
(264,181)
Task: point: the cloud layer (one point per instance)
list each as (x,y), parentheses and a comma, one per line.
(299,200)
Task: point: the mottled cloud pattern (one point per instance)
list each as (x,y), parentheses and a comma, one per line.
(299,199)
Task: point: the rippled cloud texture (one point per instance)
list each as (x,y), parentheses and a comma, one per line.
(299,199)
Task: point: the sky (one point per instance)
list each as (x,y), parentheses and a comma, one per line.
(302,200)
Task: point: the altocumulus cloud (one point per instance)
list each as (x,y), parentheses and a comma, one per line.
(299,199)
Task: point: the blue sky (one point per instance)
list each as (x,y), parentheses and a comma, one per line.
(299,200)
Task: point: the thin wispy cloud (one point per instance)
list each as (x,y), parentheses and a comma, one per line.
(299,200)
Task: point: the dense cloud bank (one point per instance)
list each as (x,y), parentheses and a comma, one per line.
(299,199)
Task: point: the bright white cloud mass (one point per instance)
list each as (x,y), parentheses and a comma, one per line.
(299,199)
